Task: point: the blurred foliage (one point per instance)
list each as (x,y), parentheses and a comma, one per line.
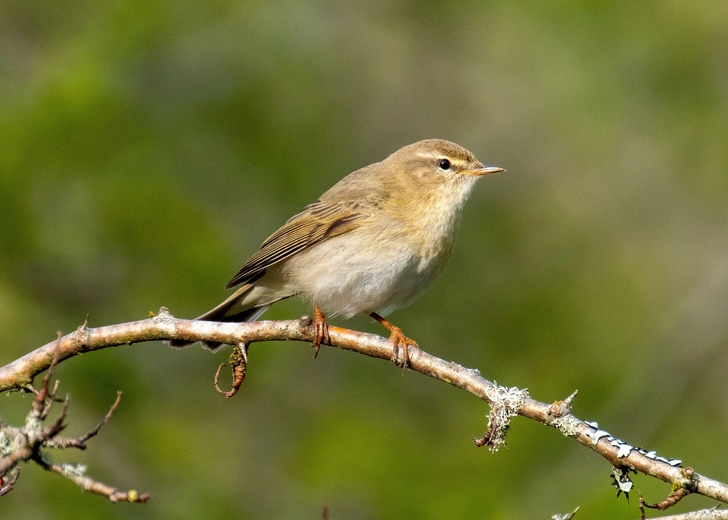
(146,148)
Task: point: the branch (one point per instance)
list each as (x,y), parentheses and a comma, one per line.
(505,402)
(704,514)
(33,441)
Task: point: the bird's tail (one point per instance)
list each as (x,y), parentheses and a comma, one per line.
(231,310)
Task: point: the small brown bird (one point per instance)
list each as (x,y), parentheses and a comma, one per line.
(370,244)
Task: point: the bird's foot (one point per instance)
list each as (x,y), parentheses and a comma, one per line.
(321,330)
(400,342)
(400,347)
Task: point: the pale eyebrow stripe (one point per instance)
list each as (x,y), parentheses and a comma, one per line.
(434,155)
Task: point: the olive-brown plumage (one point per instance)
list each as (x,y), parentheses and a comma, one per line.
(369,244)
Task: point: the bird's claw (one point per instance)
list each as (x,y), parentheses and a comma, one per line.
(400,347)
(321,331)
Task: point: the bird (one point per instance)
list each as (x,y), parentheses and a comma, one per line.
(369,245)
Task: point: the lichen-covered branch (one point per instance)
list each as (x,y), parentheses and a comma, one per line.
(33,441)
(703,514)
(505,402)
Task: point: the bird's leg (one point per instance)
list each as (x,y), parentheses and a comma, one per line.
(399,340)
(321,330)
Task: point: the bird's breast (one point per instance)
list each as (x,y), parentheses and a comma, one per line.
(385,262)
(432,225)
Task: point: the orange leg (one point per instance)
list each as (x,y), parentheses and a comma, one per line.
(321,329)
(399,340)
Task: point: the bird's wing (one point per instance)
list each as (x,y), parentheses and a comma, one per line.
(316,223)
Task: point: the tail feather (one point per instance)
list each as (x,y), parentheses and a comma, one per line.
(230,310)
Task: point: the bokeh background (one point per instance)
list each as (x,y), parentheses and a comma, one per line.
(148,147)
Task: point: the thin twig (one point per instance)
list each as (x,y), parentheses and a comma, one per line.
(7,484)
(80,442)
(99,488)
(30,443)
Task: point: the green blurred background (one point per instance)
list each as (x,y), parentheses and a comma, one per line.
(148,147)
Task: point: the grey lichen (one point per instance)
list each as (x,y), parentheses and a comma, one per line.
(504,405)
(567,516)
(567,425)
(77,470)
(8,444)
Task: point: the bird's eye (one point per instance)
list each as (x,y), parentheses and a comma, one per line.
(443,164)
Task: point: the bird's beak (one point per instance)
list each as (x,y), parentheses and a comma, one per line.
(485,170)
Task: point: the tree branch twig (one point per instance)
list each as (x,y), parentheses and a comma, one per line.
(31,442)
(505,402)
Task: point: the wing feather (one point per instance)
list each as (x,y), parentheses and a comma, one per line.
(316,223)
